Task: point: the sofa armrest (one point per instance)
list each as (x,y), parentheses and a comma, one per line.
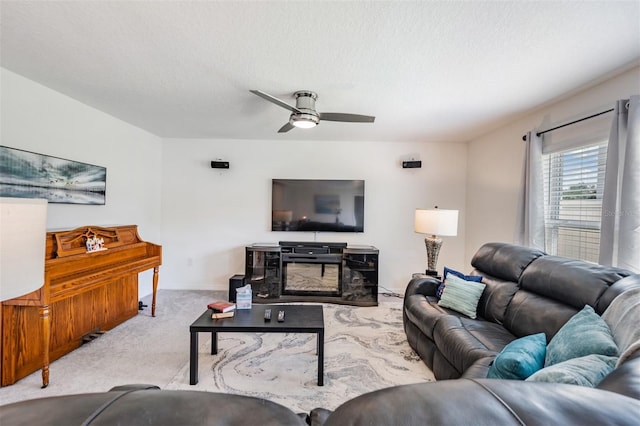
(427,286)
(479,369)
(625,379)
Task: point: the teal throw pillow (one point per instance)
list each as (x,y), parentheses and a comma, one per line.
(520,358)
(584,371)
(584,334)
(461,296)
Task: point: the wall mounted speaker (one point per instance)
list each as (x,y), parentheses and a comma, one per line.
(219,164)
(411,164)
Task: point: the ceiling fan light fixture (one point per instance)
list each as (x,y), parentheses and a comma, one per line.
(303,121)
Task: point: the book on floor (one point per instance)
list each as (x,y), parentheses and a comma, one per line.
(218,315)
(221,306)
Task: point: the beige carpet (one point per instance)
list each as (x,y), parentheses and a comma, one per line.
(365,350)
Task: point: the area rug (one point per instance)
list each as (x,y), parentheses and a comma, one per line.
(365,350)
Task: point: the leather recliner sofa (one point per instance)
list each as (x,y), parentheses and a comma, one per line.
(527,292)
(448,402)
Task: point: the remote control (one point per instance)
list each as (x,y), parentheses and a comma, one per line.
(281,316)
(267,315)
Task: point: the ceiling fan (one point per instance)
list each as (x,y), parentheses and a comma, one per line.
(304,114)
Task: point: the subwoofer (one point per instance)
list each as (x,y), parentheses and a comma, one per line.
(235,282)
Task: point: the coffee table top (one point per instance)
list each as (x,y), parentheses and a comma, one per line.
(297,319)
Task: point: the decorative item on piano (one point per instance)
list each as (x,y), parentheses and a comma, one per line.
(95,243)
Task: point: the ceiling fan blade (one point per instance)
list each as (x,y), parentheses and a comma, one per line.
(286,128)
(350,118)
(275,100)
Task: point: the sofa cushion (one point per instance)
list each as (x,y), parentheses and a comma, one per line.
(529,313)
(584,371)
(461,295)
(148,407)
(425,313)
(504,261)
(495,298)
(520,358)
(487,402)
(572,282)
(462,344)
(616,289)
(584,334)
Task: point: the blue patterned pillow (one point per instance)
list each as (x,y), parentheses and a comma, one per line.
(584,371)
(447,271)
(520,358)
(439,291)
(584,334)
(461,296)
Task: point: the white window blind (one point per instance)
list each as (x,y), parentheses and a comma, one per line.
(573,186)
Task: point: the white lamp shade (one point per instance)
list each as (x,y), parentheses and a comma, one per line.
(436,222)
(23,233)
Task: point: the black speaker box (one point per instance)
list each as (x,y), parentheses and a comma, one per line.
(235,282)
(411,164)
(219,164)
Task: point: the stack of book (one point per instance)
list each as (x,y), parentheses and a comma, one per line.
(222,309)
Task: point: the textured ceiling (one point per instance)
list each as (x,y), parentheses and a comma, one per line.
(428,71)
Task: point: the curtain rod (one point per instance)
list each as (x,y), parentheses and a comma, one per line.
(524,137)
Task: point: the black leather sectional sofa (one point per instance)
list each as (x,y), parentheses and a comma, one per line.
(526,292)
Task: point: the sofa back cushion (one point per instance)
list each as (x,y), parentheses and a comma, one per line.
(573,282)
(529,313)
(495,298)
(504,261)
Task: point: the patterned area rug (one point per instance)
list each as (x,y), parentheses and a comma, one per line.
(365,350)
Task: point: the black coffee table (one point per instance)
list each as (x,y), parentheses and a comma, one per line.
(298,319)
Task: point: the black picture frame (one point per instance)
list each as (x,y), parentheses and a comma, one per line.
(25,174)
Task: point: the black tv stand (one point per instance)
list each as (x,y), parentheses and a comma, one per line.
(304,271)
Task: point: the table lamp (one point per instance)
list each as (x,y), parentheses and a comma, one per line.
(23,229)
(435,223)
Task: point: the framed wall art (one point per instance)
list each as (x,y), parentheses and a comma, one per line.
(25,174)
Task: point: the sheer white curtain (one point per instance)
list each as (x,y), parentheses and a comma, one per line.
(620,227)
(530,221)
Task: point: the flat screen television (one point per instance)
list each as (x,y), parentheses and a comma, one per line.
(317,205)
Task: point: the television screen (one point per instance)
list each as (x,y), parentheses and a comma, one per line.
(317,205)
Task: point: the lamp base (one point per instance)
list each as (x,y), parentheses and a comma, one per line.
(432,244)
(431,273)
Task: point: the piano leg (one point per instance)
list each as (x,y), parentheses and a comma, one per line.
(155,289)
(46,337)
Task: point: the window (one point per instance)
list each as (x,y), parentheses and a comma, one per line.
(573,186)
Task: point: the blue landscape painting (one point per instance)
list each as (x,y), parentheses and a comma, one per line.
(25,174)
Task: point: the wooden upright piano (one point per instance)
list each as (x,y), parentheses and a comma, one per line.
(83,293)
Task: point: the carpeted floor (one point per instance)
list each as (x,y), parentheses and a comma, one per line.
(365,350)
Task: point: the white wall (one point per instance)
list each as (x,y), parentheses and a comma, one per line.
(209,215)
(496,159)
(35,118)
(204,217)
